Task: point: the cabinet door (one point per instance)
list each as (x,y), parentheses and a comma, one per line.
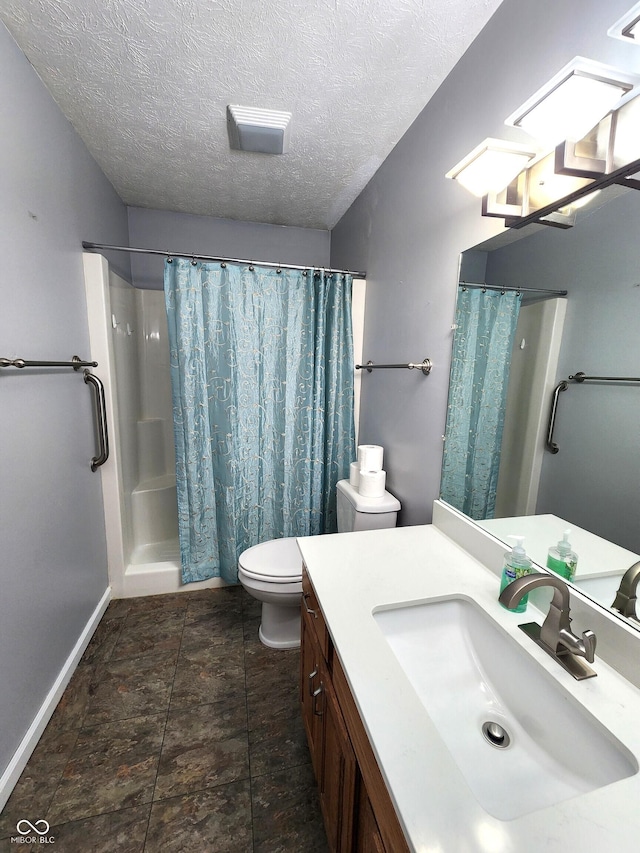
(311,607)
(309,685)
(368,838)
(337,781)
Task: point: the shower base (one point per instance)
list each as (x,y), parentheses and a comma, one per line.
(157,552)
(156,569)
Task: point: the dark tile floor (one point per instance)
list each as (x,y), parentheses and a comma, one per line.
(178,731)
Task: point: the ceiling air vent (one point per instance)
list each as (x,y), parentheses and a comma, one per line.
(262,131)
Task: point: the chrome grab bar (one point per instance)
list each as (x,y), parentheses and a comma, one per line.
(561,386)
(101,416)
(101,408)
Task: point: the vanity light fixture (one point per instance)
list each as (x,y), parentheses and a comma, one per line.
(573,101)
(550,187)
(577,203)
(545,186)
(589,157)
(258,130)
(628,27)
(625,140)
(491,166)
(535,187)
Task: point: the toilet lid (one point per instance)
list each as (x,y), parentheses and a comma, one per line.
(278,560)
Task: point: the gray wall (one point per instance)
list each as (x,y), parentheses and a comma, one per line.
(53,567)
(185,233)
(594,480)
(410,223)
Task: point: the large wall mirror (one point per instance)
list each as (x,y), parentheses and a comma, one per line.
(592,483)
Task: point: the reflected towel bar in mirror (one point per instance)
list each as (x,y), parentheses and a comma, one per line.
(582,377)
(425,366)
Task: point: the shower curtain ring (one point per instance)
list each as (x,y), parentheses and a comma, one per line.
(194,263)
(223,265)
(251,268)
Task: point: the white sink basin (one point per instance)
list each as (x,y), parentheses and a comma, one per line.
(467,672)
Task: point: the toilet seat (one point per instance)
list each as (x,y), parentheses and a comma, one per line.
(275,561)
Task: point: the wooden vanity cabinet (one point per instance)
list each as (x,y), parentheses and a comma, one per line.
(368,838)
(313,678)
(358,814)
(332,757)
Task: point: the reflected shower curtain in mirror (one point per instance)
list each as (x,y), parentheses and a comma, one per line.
(262,379)
(481,358)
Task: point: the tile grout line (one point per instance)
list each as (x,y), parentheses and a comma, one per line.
(94,667)
(60,777)
(166,720)
(246,702)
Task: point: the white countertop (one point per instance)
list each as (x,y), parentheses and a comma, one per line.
(353,573)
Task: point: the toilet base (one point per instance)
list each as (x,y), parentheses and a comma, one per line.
(280,626)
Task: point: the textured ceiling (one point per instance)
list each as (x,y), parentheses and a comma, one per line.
(146,83)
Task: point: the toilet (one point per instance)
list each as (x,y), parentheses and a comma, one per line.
(272,571)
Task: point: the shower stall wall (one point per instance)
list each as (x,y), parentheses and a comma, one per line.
(128,332)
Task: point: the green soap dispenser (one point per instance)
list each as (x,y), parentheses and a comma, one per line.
(516,565)
(562,560)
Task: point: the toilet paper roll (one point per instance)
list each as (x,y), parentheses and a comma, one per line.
(372,483)
(354,474)
(370,457)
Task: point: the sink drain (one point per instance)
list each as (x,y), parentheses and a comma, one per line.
(496,735)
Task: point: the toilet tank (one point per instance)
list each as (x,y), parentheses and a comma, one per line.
(356,512)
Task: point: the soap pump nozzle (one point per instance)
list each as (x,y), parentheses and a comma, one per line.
(564,546)
(518,549)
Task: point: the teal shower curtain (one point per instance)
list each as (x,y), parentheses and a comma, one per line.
(481,358)
(262,379)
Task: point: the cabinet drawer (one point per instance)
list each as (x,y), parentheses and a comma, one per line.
(310,604)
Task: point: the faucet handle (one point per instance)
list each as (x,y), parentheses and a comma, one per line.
(589,639)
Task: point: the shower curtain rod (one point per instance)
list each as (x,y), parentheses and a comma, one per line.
(517,289)
(100,246)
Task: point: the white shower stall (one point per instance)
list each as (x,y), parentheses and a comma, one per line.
(129,340)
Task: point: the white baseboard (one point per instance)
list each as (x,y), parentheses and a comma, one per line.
(22,754)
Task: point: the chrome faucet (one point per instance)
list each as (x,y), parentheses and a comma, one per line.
(625,600)
(555,636)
